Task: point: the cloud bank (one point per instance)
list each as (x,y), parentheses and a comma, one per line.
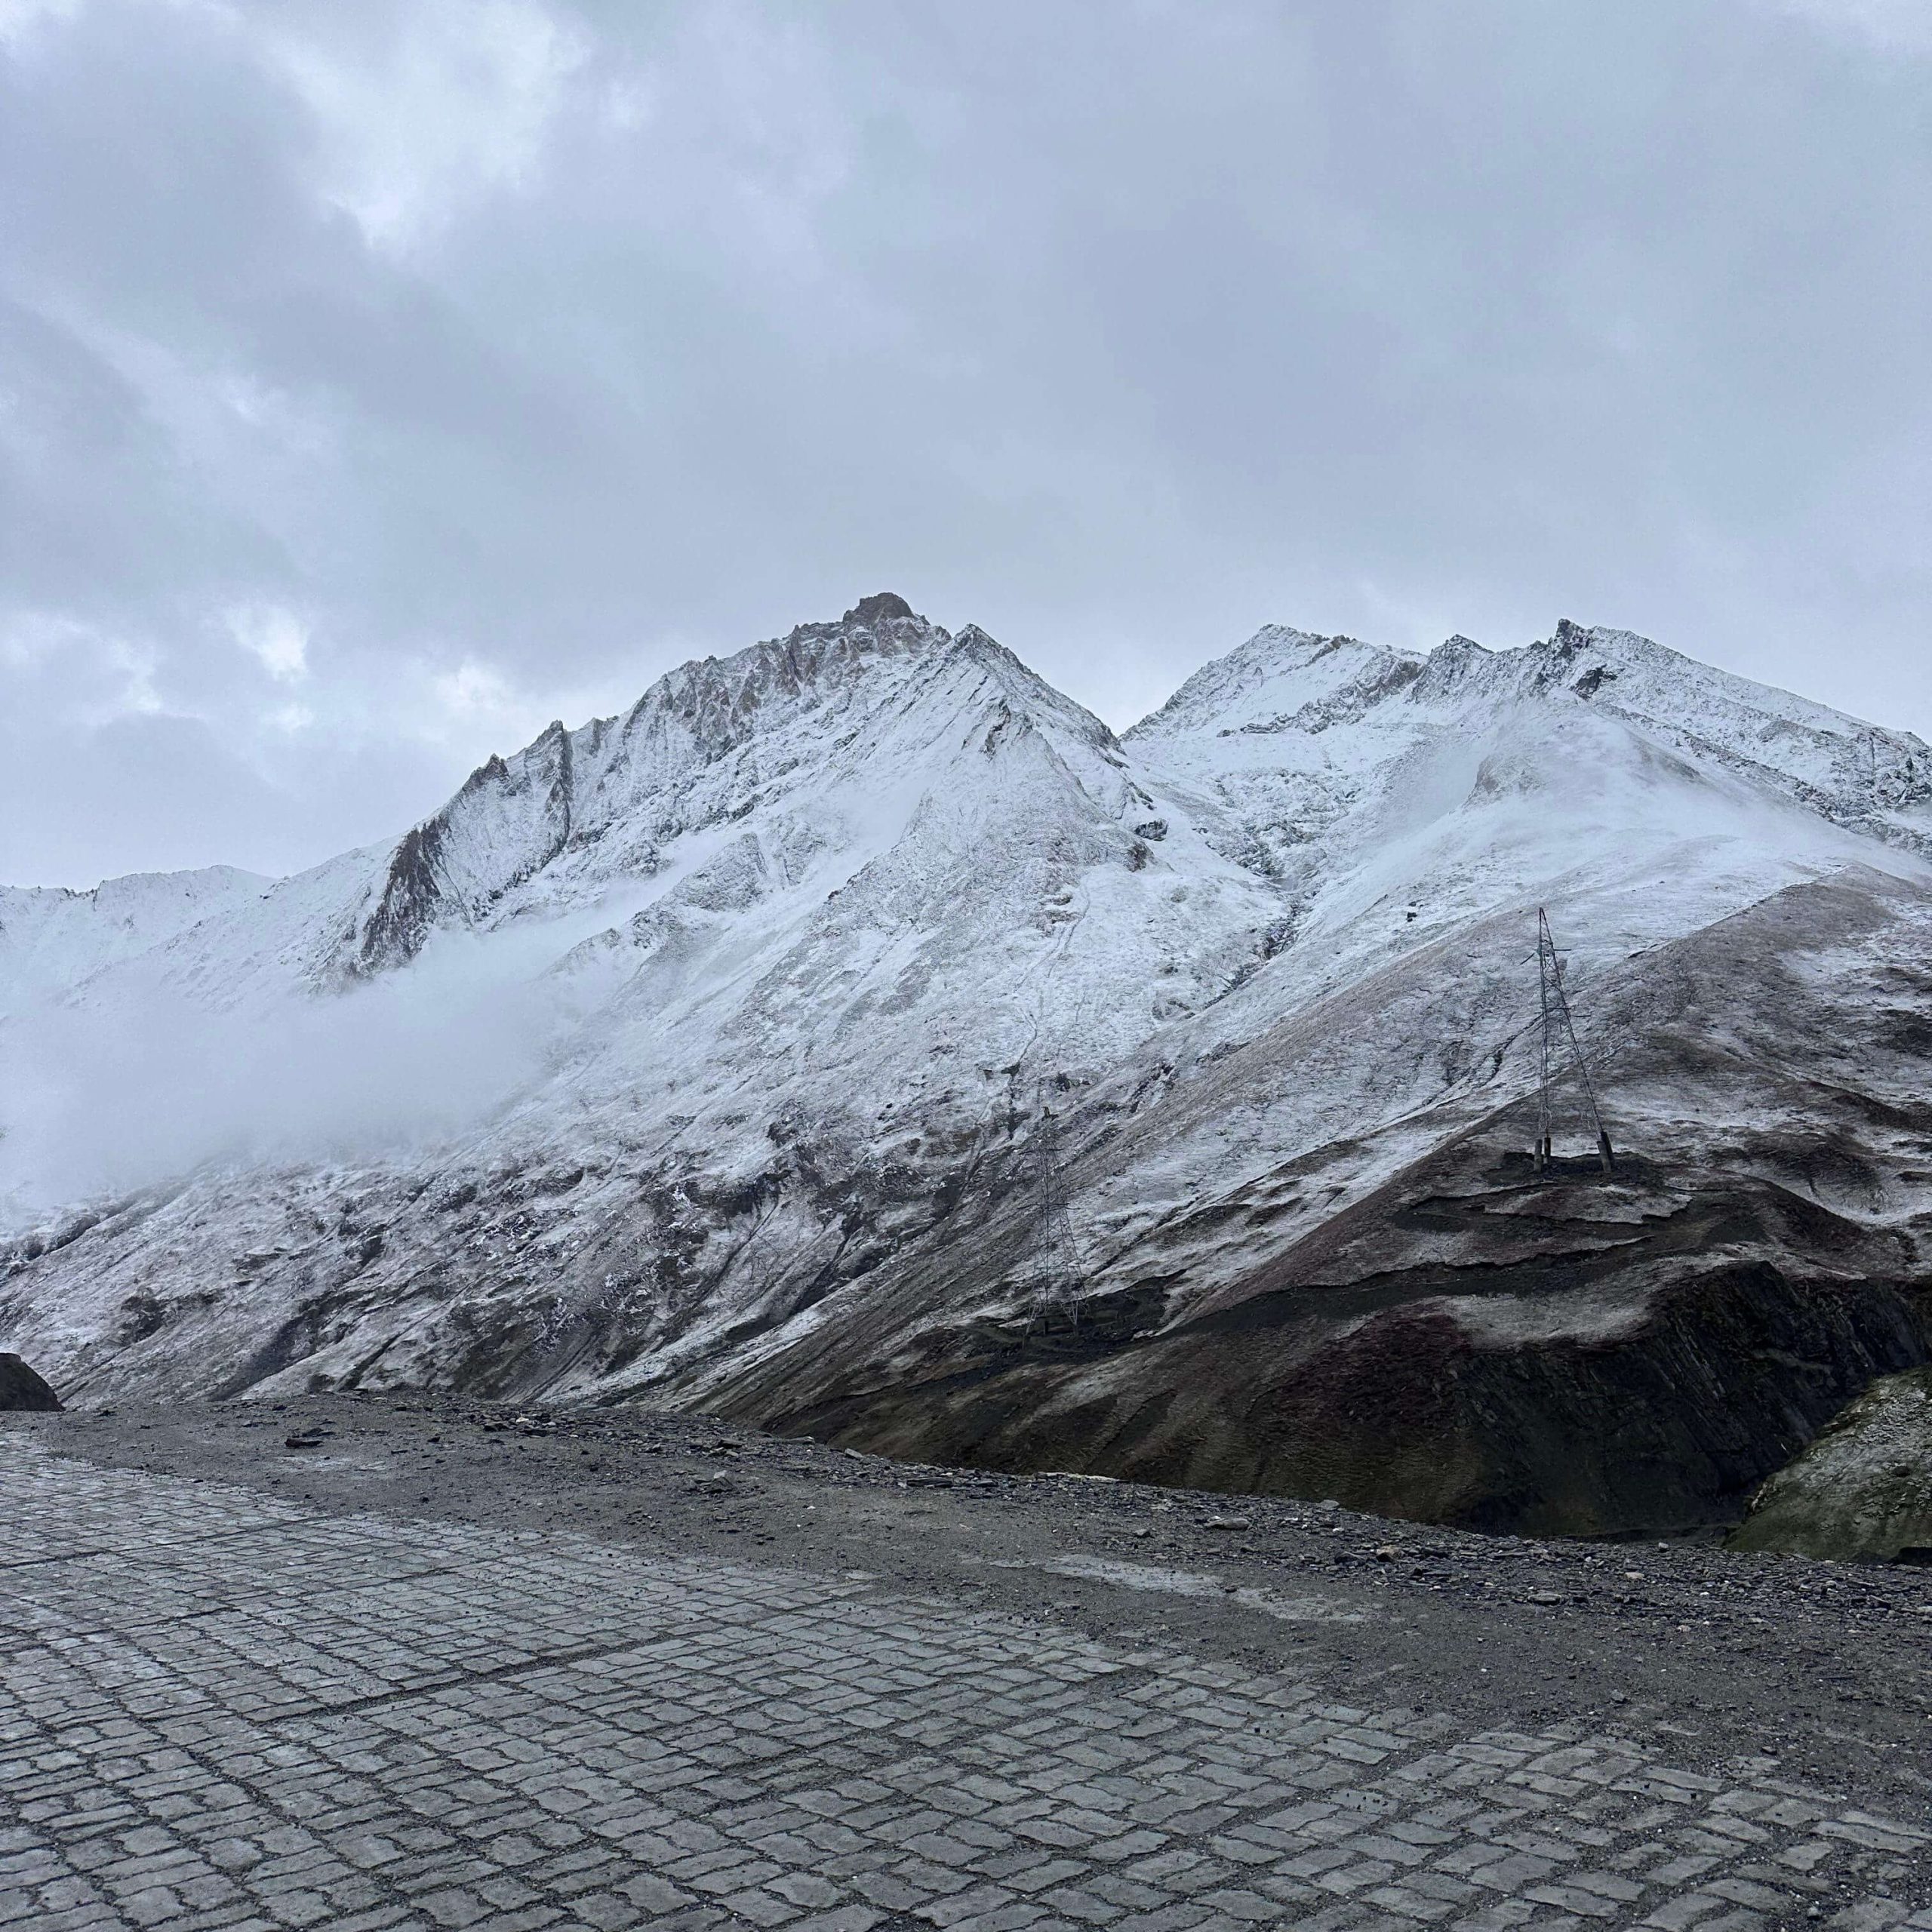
(105,1098)
(377,381)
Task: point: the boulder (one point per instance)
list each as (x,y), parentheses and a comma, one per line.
(21,1389)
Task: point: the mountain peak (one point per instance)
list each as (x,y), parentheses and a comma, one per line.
(1281,678)
(883,607)
(882,623)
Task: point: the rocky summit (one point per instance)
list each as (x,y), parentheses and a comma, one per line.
(857,1039)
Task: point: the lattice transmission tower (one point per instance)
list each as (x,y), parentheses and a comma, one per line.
(1559,1030)
(1060,1281)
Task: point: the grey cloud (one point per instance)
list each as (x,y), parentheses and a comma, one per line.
(559,342)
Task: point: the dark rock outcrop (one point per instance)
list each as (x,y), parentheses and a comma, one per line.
(21,1389)
(1581,1377)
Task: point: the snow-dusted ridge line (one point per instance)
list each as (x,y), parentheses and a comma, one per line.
(729,692)
(632,775)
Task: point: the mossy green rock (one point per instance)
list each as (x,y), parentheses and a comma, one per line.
(1863,1487)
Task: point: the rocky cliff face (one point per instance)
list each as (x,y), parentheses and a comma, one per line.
(806,944)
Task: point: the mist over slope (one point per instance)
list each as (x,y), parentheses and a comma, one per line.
(701,1053)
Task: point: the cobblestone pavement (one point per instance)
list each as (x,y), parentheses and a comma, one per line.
(224,1710)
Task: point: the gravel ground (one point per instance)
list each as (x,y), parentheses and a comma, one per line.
(1823,1668)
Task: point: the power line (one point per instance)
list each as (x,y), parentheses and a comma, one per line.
(1559,1029)
(1060,1281)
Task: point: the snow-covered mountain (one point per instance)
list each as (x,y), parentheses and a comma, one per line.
(753,998)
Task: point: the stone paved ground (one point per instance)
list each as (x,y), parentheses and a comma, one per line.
(222,1709)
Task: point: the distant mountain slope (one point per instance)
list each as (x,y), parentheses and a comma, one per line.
(797,950)
(52,940)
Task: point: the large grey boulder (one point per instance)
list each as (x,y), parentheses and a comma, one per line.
(1862,1488)
(21,1389)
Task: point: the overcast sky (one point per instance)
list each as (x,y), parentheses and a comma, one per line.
(378,381)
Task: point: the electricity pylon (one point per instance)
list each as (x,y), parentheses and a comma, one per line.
(1558,1029)
(1057,1287)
